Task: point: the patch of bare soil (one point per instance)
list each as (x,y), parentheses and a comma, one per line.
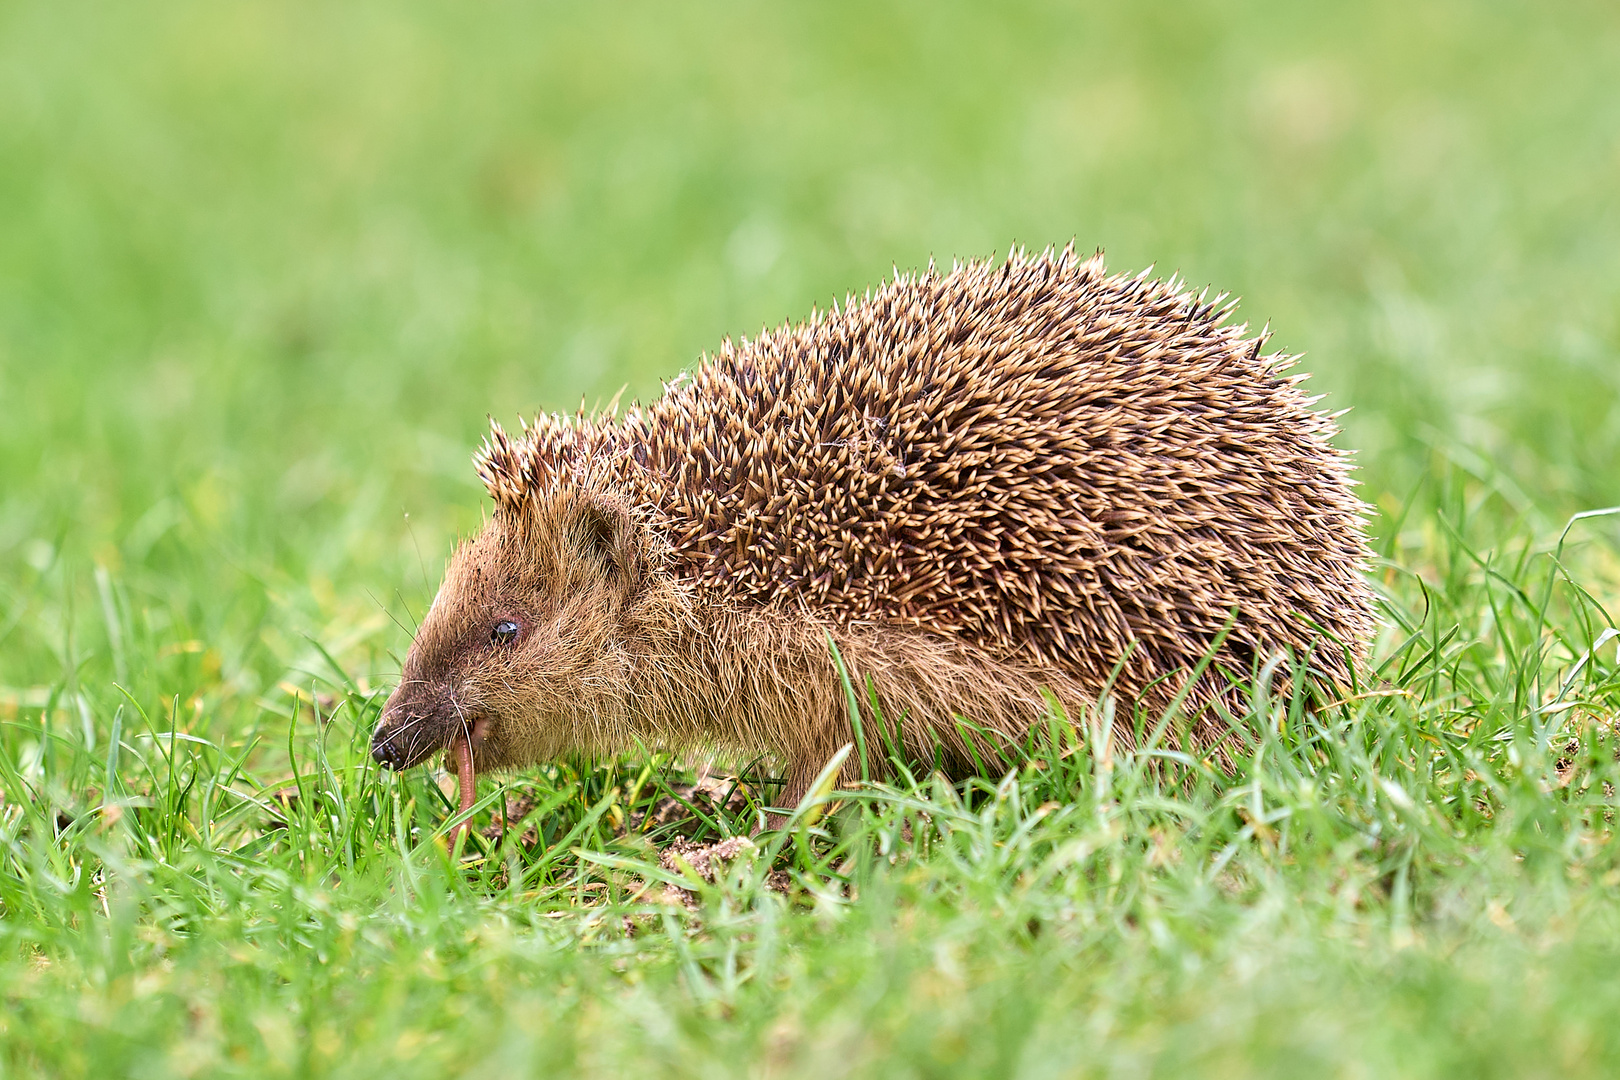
(709,796)
(710,862)
(681,810)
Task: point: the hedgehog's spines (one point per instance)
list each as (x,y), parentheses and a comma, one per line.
(1027,455)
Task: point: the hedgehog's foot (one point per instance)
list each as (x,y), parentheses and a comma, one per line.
(796,785)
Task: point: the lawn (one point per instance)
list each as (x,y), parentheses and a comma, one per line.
(265,270)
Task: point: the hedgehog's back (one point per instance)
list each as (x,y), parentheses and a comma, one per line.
(1034,457)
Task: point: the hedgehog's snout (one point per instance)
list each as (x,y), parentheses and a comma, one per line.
(412,728)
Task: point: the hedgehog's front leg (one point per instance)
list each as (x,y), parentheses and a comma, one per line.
(796,785)
(814,746)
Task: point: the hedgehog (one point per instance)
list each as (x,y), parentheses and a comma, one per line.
(944,512)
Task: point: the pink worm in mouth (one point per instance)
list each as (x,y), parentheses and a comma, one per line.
(461,746)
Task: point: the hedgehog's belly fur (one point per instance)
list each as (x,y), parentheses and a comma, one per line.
(764,683)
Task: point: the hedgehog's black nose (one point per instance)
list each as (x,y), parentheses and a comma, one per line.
(385,748)
(400,741)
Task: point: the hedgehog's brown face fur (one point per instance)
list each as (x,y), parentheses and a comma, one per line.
(524,651)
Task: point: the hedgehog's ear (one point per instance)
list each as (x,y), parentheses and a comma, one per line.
(602,529)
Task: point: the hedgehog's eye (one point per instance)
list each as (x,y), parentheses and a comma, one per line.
(505,632)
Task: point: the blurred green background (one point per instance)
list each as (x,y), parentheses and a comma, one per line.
(266,267)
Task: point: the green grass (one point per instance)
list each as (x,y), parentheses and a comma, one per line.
(264,269)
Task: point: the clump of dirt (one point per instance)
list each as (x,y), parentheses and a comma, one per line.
(709,862)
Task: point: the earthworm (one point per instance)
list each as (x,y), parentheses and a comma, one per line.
(461,746)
